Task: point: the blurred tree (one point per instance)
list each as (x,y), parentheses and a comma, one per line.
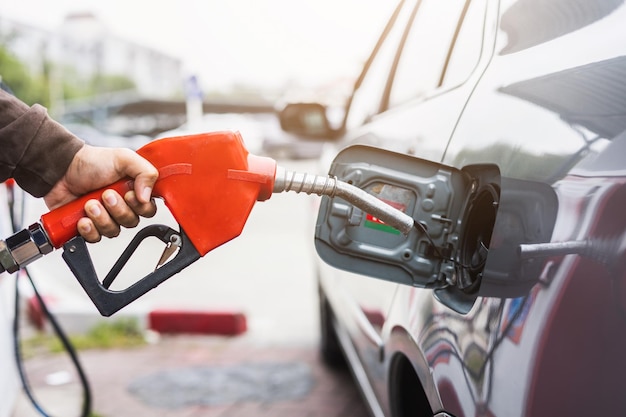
(15,74)
(81,87)
(36,89)
(109,83)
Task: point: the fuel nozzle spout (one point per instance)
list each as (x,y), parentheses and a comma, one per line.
(321,185)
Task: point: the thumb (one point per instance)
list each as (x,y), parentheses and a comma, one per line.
(144,173)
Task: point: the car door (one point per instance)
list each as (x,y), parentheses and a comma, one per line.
(549,111)
(408,100)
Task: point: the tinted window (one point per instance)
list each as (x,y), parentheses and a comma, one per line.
(367,98)
(426,49)
(468,45)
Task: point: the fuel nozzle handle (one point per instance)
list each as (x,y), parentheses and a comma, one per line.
(203,179)
(55,228)
(332,187)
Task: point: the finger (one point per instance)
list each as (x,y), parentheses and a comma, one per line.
(88,231)
(145,175)
(101,219)
(121,213)
(143,209)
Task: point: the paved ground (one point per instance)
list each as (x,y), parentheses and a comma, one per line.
(192,376)
(271,370)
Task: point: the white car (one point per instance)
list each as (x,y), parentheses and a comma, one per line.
(253,127)
(500,127)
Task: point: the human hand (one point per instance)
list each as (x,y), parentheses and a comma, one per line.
(96,167)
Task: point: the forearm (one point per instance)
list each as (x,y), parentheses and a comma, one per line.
(26,153)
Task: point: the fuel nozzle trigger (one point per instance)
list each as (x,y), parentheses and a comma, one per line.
(107,301)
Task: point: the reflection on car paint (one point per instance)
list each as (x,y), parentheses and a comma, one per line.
(548,109)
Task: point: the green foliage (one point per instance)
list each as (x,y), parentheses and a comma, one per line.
(28,88)
(33,89)
(121,333)
(111,83)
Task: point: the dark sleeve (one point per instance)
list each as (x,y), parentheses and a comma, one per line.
(34,149)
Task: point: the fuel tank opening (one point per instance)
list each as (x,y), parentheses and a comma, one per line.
(480,218)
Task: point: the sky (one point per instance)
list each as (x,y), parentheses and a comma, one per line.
(259,42)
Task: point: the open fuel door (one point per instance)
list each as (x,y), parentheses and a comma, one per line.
(454,210)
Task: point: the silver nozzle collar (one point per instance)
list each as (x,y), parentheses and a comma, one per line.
(24,247)
(40,238)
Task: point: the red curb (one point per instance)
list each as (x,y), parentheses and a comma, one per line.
(197,322)
(34,311)
(165,320)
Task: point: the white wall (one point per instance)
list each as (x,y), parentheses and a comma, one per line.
(8,373)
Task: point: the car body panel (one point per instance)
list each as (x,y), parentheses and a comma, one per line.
(363,305)
(544,121)
(546,102)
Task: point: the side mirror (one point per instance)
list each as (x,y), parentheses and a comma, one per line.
(306,119)
(461,215)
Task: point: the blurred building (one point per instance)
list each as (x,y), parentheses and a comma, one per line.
(84,45)
(82,50)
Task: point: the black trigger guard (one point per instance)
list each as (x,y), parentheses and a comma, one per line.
(107,301)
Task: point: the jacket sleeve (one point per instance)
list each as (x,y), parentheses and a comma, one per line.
(34,149)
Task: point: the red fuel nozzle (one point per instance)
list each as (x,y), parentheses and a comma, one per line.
(208,181)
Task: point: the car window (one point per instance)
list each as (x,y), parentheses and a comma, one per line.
(468,45)
(425,50)
(367,97)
